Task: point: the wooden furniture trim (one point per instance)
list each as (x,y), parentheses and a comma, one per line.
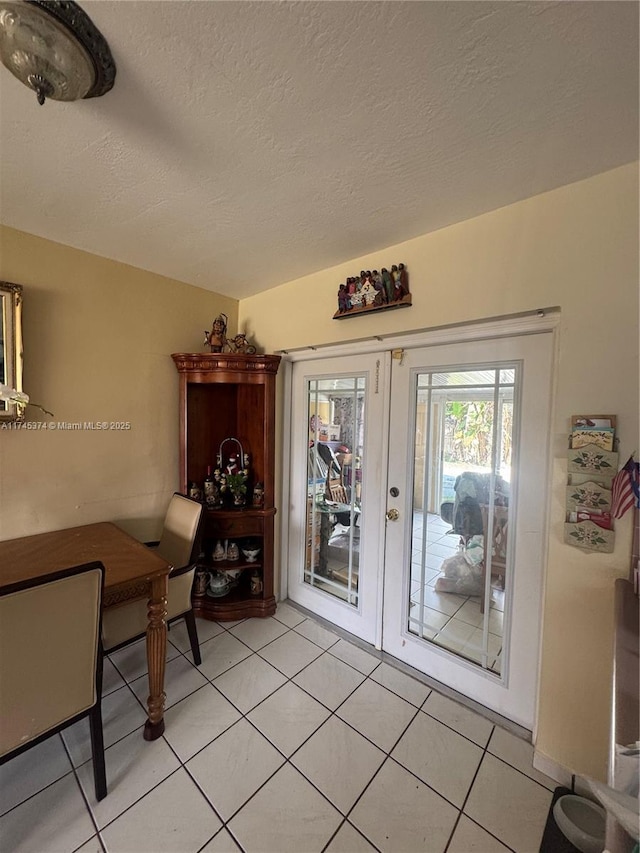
(242,370)
(45,553)
(198,365)
(226,362)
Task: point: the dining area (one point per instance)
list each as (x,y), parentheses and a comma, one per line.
(69,597)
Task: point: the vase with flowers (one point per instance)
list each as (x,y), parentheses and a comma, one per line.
(232,472)
(236,486)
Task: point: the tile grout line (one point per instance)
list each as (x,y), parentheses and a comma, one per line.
(468,794)
(324,650)
(83,795)
(386,758)
(332,712)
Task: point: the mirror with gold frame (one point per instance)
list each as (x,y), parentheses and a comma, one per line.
(11,347)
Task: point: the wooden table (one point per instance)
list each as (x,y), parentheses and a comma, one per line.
(131,571)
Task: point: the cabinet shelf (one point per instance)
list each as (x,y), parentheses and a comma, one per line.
(228,565)
(226,395)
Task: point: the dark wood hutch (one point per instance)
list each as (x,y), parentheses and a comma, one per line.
(226,395)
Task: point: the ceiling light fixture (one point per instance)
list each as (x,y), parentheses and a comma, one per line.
(54,48)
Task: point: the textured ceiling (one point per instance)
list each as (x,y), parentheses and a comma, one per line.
(246,144)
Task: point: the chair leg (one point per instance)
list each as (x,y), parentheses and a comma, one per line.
(190,620)
(97,749)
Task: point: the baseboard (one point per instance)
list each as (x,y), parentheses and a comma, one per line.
(563,775)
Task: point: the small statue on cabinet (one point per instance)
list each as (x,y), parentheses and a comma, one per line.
(256,583)
(232,466)
(201,582)
(239,344)
(258,495)
(195,492)
(217,337)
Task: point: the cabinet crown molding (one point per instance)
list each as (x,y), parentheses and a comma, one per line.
(198,361)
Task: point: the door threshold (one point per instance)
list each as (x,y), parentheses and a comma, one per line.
(438,686)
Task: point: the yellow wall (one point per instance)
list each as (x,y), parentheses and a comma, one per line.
(577,248)
(98,336)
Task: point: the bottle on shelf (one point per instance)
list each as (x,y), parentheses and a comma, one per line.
(210,489)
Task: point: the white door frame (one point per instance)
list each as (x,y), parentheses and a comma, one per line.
(543,320)
(366,617)
(511,692)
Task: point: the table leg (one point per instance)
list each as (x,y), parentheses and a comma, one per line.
(156,656)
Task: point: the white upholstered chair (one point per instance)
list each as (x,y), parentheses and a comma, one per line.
(123,623)
(51,661)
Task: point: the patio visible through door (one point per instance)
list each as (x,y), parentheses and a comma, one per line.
(419,510)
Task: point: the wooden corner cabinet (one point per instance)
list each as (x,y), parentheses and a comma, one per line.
(232,396)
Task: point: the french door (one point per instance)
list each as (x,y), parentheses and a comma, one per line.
(339,419)
(467,490)
(418,506)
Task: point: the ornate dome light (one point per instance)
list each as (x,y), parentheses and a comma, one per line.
(53,47)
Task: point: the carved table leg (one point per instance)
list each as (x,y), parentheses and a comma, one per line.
(156,656)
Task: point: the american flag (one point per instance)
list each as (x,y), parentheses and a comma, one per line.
(625,488)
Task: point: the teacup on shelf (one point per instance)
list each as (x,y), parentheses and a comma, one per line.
(218,584)
(251,554)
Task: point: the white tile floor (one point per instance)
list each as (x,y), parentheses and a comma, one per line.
(449,620)
(286,739)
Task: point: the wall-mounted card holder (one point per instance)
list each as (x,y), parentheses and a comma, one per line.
(587,535)
(592,459)
(589,496)
(592,463)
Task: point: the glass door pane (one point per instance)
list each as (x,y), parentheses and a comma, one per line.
(461,495)
(336,417)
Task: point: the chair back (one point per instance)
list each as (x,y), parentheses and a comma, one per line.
(181,525)
(50,654)
(499,537)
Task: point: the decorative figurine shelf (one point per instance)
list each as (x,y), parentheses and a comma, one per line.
(222,395)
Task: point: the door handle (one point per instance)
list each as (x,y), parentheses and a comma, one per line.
(393,515)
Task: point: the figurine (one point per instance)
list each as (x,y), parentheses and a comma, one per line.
(404,279)
(256,583)
(258,495)
(217,337)
(371,290)
(381,295)
(239,344)
(397,283)
(201,582)
(387,281)
(344,303)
